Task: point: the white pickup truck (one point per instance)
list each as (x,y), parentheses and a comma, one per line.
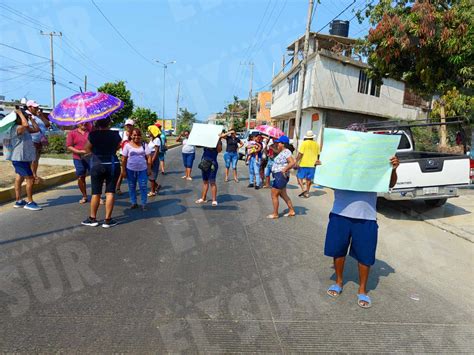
(430,176)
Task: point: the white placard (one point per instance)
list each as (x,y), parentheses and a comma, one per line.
(205,135)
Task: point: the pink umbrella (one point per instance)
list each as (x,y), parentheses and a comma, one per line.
(270,131)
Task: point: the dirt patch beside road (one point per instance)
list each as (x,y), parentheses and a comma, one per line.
(7,177)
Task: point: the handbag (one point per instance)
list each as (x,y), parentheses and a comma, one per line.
(205,165)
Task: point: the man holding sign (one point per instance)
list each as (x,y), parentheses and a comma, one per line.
(353,219)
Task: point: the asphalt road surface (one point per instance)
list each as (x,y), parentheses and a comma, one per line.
(187,278)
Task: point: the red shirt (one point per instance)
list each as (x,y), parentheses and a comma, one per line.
(77,140)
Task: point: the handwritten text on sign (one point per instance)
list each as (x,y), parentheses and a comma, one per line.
(356,161)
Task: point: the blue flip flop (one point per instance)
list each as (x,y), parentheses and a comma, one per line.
(334,288)
(364,298)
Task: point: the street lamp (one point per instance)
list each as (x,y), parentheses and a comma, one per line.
(165,66)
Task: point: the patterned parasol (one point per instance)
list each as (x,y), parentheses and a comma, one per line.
(270,131)
(85,107)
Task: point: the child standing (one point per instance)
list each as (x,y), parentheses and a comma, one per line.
(136,167)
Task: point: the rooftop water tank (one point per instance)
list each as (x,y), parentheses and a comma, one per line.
(339,28)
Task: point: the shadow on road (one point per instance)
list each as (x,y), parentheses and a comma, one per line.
(378,270)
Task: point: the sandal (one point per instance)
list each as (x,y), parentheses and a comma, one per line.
(151,194)
(236,180)
(83,200)
(189,178)
(336,289)
(302,194)
(289,214)
(214,203)
(272,216)
(183,177)
(200,201)
(306,195)
(364,301)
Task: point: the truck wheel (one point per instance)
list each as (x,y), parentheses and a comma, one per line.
(436,202)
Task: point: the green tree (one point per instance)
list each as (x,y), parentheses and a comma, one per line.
(185,120)
(143,117)
(119,90)
(427,44)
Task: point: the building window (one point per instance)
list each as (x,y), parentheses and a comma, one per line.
(293,83)
(365,84)
(273,95)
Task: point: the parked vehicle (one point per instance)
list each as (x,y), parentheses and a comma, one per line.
(429,176)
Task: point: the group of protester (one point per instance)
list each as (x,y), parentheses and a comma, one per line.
(352,222)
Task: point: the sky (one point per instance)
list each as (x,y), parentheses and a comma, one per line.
(212,42)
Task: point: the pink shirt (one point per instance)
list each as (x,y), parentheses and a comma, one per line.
(77,140)
(136,157)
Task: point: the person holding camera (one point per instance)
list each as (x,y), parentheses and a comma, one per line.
(20,150)
(40,140)
(231,155)
(209,169)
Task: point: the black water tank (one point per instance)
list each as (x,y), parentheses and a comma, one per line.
(339,28)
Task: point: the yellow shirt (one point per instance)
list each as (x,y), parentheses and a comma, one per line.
(310,151)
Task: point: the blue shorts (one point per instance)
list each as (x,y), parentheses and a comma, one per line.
(359,234)
(155,167)
(306,173)
(82,167)
(188,160)
(280,181)
(161,156)
(23,168)
(231,159)
(210,175)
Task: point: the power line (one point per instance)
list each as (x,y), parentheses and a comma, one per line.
(24,16)
(335,17)
(120,34)
(21,50)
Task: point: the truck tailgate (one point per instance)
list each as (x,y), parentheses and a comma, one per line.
(435,171)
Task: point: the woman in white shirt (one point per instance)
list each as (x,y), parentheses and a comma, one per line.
(189,154)
(154,145)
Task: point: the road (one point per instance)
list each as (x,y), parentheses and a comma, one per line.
(187,278)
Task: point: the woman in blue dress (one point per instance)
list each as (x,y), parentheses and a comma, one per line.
(209,158)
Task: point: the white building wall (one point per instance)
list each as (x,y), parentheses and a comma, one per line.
(332,85)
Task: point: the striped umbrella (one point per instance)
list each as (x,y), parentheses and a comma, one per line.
(270,131)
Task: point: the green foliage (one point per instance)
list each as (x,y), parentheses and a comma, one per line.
(56,144)
(427,44)
(185,120)
(119,90)
(143,117)
(455,104)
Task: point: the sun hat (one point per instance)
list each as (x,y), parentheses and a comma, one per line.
(282,139)
(309,134)
(155,131)
(31,103)
(130,122)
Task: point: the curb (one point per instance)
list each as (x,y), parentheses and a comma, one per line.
(8,194)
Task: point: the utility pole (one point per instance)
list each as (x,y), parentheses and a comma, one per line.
(165,66)
(177,110)
(53,82)
(250,93)
(302,76)
(85,83)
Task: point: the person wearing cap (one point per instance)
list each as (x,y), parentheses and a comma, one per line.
(21,152)
(154,145)
(353,227)
(282,165)
(125,135)
(306,161)
(39,138)
(163,148)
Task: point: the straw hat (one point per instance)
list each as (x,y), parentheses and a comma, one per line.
(309,135)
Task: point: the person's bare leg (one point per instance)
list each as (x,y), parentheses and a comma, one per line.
(275,194)
(214,191)
(308,186)
(119,183)
(34,168)
(162,166)
(363,278)
(109,204)
(29,188)
(267,181)
(205,187)
(81,182)
(339,270)
(235,174)
(286,198)
(300,184)
(226,174)
(188,172)
(95,201)
(18,181)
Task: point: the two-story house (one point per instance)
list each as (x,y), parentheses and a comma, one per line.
(337,89)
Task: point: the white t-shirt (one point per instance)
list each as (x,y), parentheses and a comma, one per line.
(187,149)
(154,143)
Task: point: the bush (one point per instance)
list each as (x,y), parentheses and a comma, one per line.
(57,144)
